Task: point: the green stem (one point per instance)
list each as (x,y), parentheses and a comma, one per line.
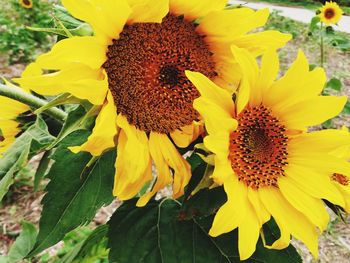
(32,101)
(322,46)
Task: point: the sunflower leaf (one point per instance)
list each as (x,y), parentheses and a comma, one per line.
(155,234)
(32,141)
(74,193)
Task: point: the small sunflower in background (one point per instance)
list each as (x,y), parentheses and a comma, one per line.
(330,13)
(267,162)
(134,68)
(26,3)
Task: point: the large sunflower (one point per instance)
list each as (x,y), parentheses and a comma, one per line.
(267,162)
(134,67)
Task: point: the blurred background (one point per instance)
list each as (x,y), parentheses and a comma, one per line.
(19,46)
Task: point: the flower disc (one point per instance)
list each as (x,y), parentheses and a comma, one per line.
(146,71)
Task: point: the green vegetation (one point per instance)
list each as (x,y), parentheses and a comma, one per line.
(16,42)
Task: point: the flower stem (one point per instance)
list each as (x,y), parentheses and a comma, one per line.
(32,101)
(322,46)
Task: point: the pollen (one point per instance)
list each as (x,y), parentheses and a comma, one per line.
(258,148)
(146,72)
(341,179)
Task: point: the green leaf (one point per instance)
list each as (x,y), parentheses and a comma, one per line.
(198,167)
(33,140)
(204,203)
(42,169)
(346,109)
(313,24)
(23,244)
(334,84)
(329,30)
(153,234)
(73,123)
(74,193)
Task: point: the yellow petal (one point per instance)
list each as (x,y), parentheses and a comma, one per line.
(107,17)
(215,118)
(164,177)
(103,134)
(33,69)
(250,73)
(248,234)
(262,214)
(324,141)
(269,69)
(210,90)
(226,25)
(85,50)
(312,111)
(259,43)
(79,80)
(292,220)
(196,8)
(182,170)
(315,184)
(133,164)
(183,136)
(313,208)
(231,214)
(149,11)
(296,85)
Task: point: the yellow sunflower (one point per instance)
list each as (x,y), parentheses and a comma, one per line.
(26,3)
(341,181)
(134,68)
(330,13)
(9,111)
(267,162)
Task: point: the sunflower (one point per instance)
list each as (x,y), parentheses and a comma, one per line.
(134,68)
(267,162)
(26,3)
(10,110)
(341,181)
(330,13)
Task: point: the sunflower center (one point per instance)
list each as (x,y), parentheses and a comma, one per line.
(146,72)
(329,13)
(341,179)
(258,148)
(26,2)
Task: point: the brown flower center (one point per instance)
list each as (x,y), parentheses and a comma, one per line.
(329,13)
(342,179)
(258,148)
(26,2)
(146,71)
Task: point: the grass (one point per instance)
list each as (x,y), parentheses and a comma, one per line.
(300,3)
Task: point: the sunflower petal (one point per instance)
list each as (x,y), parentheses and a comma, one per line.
(105,130)
(286,215)
(81,81)
(196,8)
(248,234)
(164,177)
(182,170)
(149,11)
(85,50)
(313,208)
(226,25)
(231,214)
(107,17)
